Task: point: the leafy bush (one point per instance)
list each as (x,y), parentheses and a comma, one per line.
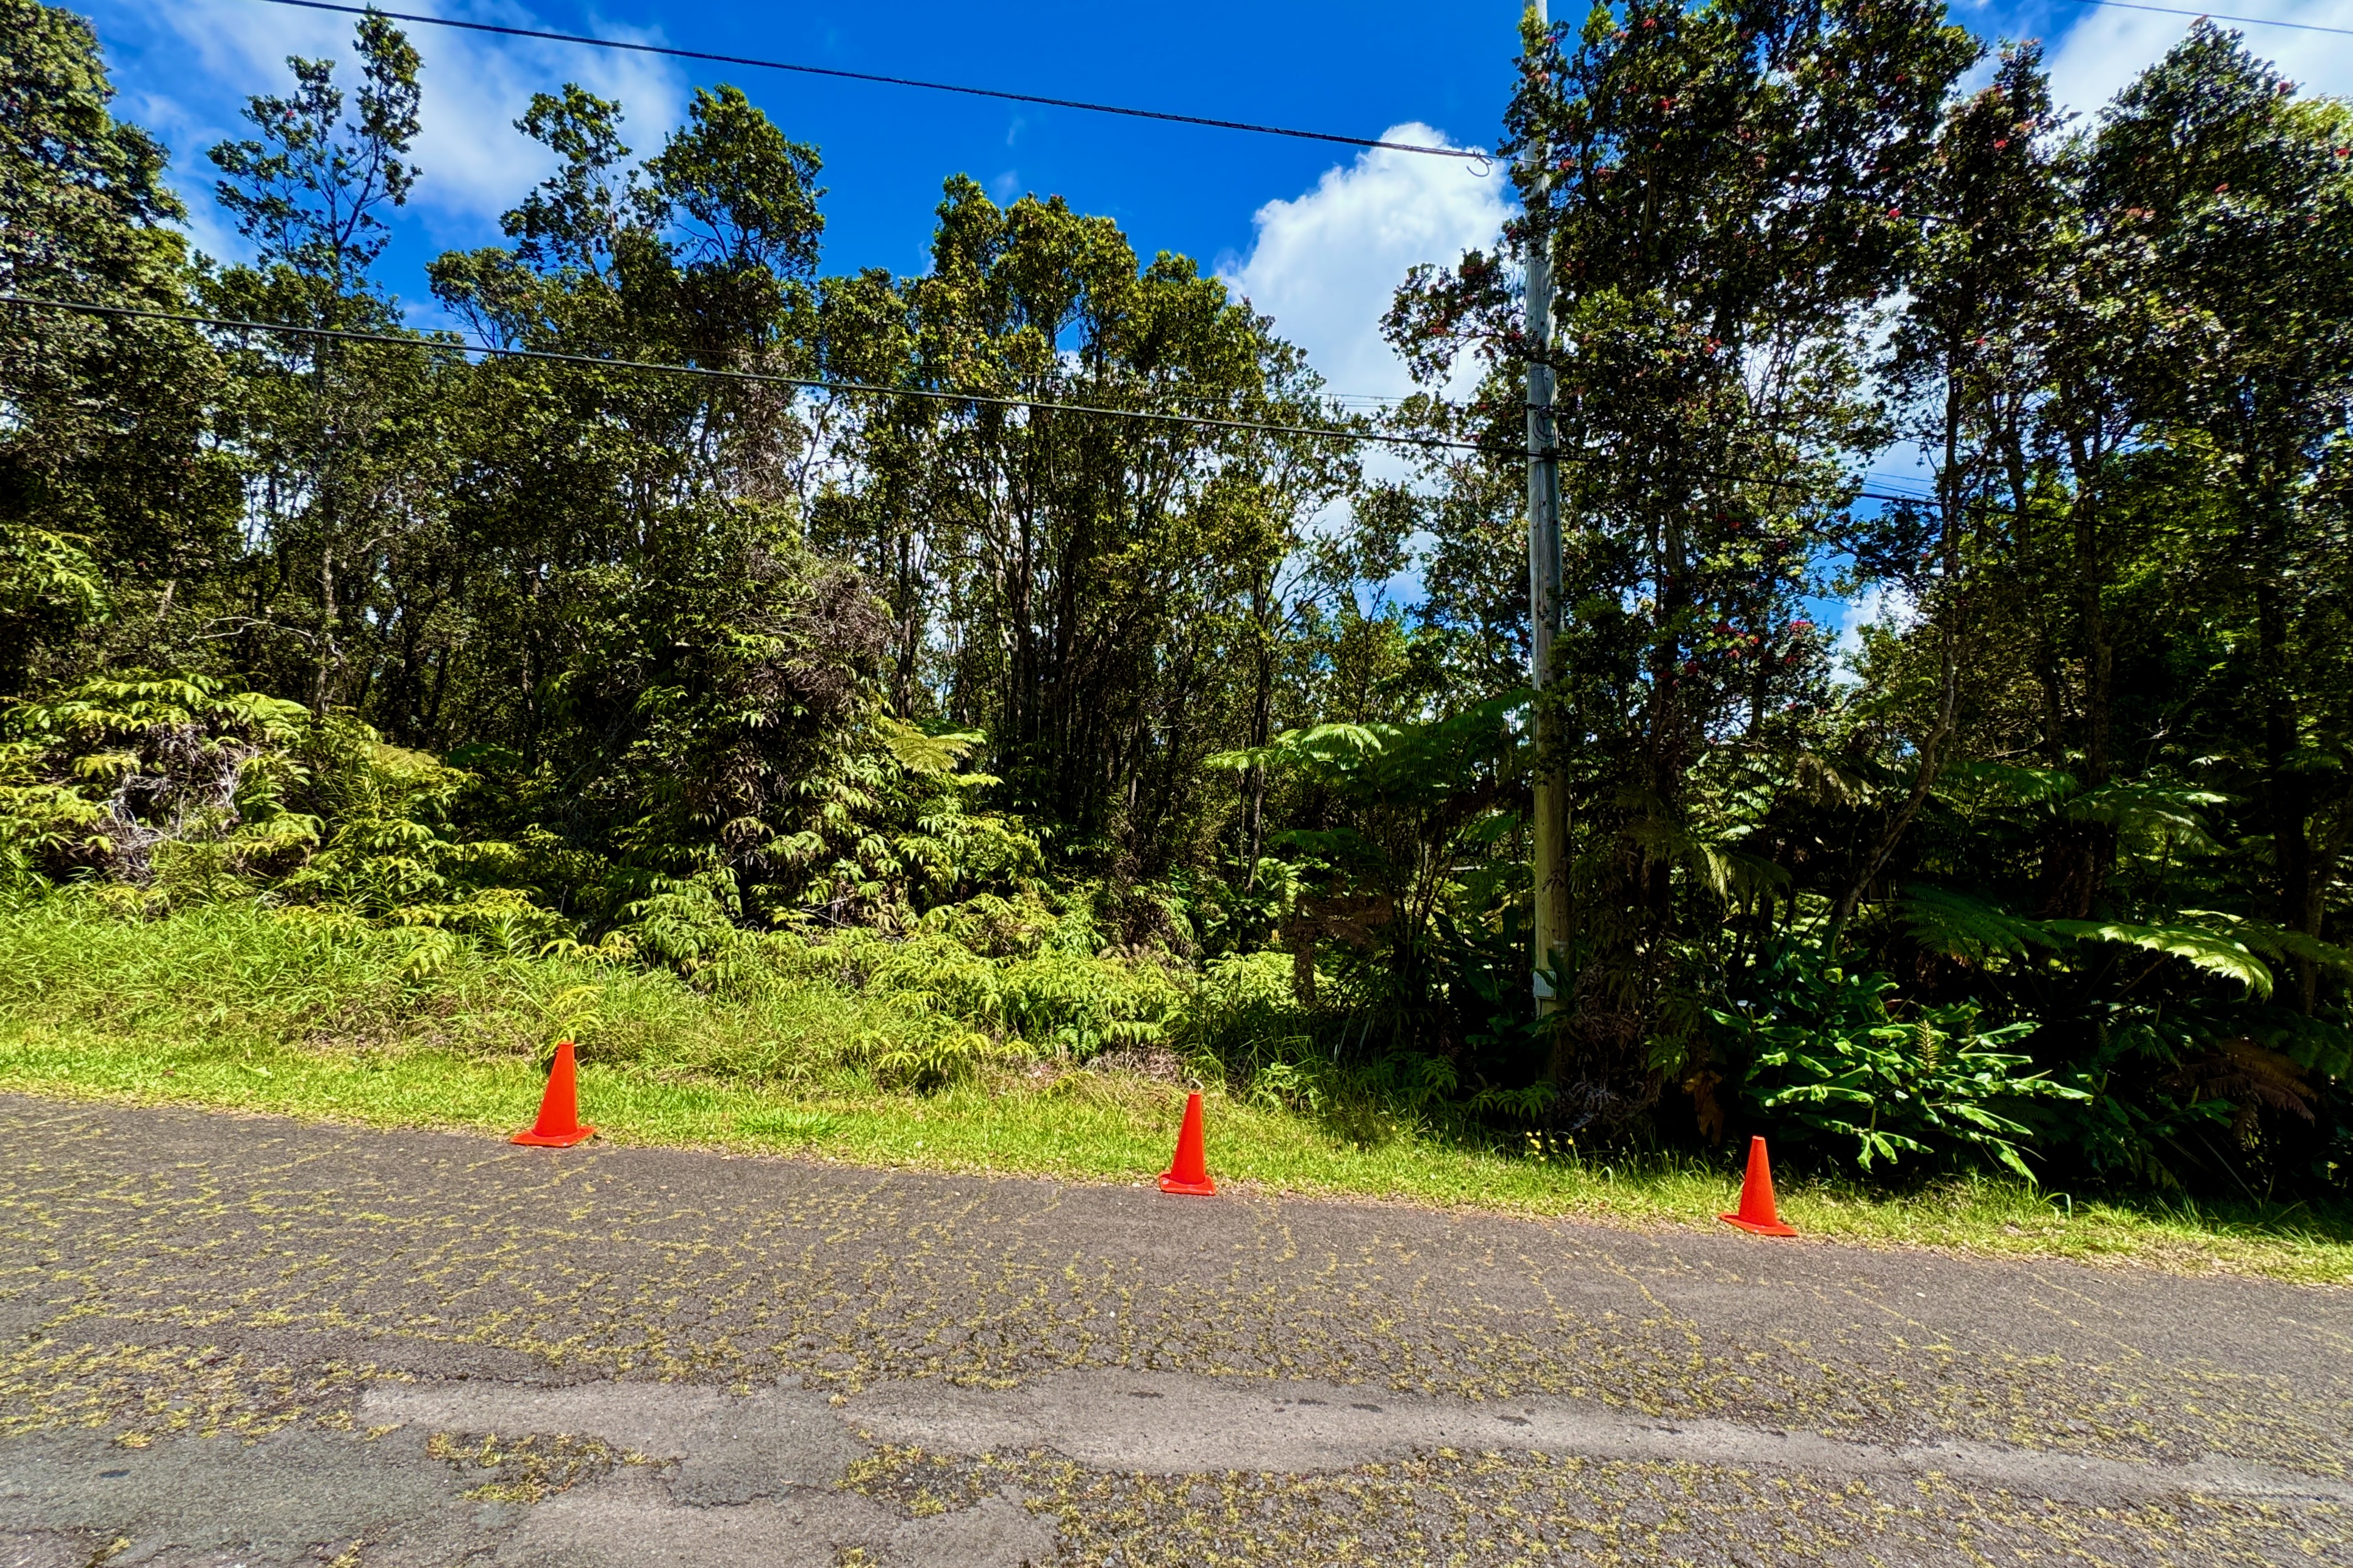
(2209,1091)
(169,792)
(1242,1009)
(1825,1059)
(1053,1001)
(991,979)
(155,784)
(229,975)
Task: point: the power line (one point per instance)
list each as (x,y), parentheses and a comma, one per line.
(770,378)
(2217,16)
(1471,153)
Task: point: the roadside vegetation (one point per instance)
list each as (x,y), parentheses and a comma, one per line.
(239,1008)
(941,780)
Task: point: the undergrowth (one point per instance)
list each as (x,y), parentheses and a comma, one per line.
(241,1006)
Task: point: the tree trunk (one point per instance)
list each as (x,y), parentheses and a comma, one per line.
(1261,720)
(2077,854)
(330,651)
(1950,613)
(2286,798)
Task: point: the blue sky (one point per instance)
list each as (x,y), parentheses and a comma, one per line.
(1316,235)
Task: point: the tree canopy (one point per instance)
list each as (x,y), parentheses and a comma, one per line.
(2043,866)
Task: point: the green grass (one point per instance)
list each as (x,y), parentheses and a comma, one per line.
(237,1009)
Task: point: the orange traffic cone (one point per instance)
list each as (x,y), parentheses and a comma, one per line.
(1756,1210)
(558,1126)
(1189,1171)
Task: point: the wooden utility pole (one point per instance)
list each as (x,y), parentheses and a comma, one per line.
(1550,858)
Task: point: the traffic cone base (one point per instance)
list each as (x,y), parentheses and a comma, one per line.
(1756,1213)
(533,1137)
(1760,1228)
(1188,1173)
(558,1126)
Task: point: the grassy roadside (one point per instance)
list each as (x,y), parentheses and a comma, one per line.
(237,1012)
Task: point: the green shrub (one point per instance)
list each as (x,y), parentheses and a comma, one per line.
(1050,997)
(235,974)
(1825,1060)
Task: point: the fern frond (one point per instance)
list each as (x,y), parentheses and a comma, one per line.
(2278,943)
(2210,951)
(1982,782)
(2153,809)
(927,754)
(1958,925)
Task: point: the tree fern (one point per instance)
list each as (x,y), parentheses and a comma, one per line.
(2205,950)
(1960,925)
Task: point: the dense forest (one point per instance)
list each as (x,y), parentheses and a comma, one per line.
(1082,732)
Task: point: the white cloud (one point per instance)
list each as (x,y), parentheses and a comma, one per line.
(2109,47)
(474,163)
(1325,264)
(1879,606)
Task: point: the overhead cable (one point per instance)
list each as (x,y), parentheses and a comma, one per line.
(807,384)
(2216,16)
(1471,153)
(761,377)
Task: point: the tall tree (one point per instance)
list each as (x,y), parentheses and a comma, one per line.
(1105,588)
(1963,371)
(2241,196)
(1723,194)
(639,650)
(338,437)
(108,499)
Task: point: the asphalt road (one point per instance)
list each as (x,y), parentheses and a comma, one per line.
(231,1341)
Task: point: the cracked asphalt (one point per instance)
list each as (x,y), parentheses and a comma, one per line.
(233,1340)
